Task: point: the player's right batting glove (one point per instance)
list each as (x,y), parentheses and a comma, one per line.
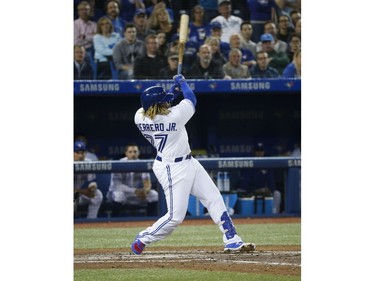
(175,90)
(179,78)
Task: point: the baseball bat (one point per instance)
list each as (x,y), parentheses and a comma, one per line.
(184,23)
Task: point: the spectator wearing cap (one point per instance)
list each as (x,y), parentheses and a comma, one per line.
(261,11)
(126,51)
(276,60)
(140,22)
(262,68)
(229,23)
(85,185)
(171,70)
(260,182)
(90,155)
(216,31)
(129,8)
(199,30)
(278,45)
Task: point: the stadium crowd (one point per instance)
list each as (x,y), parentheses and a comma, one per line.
(136,39)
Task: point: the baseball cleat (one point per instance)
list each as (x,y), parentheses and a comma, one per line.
(239,247)
(137,247)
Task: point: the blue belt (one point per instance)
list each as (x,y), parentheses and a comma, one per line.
(178,159)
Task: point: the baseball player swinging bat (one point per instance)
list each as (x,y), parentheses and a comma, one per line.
(184,23)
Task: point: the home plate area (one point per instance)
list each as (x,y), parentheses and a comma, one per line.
(282,261)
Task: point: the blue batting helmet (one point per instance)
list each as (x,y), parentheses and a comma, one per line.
(154,95)
(79,146)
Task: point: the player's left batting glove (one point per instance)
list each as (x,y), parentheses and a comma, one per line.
(175,90)
(179,78)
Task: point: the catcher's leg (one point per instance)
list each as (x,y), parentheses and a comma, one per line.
(94,205)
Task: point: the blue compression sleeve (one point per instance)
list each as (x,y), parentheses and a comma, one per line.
(188,93)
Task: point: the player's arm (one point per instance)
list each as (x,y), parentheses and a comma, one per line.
(89,191)
(186,91)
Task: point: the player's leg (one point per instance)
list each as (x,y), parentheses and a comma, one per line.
(207,192)
(94,205)
(176,184)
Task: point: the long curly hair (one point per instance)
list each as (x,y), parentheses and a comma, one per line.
(153,21)
(157,109)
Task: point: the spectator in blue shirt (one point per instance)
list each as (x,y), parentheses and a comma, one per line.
(293,70)
(104,41)
(199,29)
(112,8)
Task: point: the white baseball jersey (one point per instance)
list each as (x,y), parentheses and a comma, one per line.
(167,133)
(180,175)
(228,26)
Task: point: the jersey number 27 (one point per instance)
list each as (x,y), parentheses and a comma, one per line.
(162,137)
